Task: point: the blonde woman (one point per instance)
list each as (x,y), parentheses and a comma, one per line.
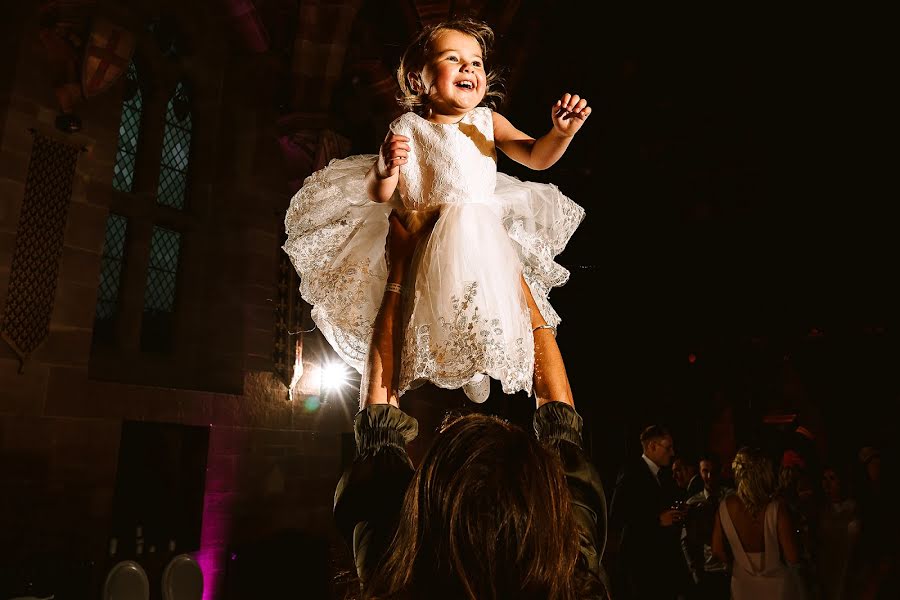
(753,533)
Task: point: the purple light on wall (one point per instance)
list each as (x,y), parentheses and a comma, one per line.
(210,565)
(225,448)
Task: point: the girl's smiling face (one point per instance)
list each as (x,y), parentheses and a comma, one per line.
(453,76)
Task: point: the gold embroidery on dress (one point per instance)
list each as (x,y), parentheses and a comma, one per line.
(473,344)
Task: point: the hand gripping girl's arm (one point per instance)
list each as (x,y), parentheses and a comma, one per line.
(568,115)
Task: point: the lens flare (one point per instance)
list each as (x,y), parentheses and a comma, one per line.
(334,376)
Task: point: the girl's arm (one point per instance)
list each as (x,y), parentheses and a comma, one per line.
(568,115)
(382,178)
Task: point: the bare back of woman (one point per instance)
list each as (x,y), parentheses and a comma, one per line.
(754,535)
(752,531)
(750,528)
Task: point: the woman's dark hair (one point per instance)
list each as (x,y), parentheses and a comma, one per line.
(416,55)
(487,516)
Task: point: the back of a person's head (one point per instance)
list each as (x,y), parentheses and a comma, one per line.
(486,516)
(653,433)
(754,477)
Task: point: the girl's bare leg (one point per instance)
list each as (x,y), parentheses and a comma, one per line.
(550,380)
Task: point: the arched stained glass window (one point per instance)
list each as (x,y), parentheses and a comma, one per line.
(129,132)
(110,277)
(176,150)
(159,294)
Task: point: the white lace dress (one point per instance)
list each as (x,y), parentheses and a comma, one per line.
(464,309)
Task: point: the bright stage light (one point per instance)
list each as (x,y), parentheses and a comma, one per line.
(334,376)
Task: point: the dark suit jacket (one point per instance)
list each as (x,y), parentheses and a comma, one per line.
(652,563)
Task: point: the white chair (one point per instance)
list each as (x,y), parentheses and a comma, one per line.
(182,579)
(127,580)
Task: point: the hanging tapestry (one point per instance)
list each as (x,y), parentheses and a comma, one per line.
(39,244)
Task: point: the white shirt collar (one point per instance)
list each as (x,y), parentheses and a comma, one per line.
(654,468)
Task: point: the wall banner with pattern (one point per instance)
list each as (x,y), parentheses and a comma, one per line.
(25,321)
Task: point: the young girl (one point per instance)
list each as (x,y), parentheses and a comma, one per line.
(491,252)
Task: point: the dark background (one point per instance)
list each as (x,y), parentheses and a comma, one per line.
(737,261)
(733,173)
(737,258)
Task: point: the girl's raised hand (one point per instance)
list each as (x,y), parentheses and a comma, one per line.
(569,114)
(393,153)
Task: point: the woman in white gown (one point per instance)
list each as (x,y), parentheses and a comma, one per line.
(466,309)
(753,533)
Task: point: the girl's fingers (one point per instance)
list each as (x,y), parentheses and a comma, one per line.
(391,146)
(571,102)
(395,152)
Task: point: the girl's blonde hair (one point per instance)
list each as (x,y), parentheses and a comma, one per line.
(415,57)
(755,479)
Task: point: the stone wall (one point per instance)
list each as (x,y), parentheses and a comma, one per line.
(272,463)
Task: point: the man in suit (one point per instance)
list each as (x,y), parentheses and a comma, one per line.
(643,511)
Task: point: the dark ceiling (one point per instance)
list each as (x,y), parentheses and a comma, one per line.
(732,174)
(726,184)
